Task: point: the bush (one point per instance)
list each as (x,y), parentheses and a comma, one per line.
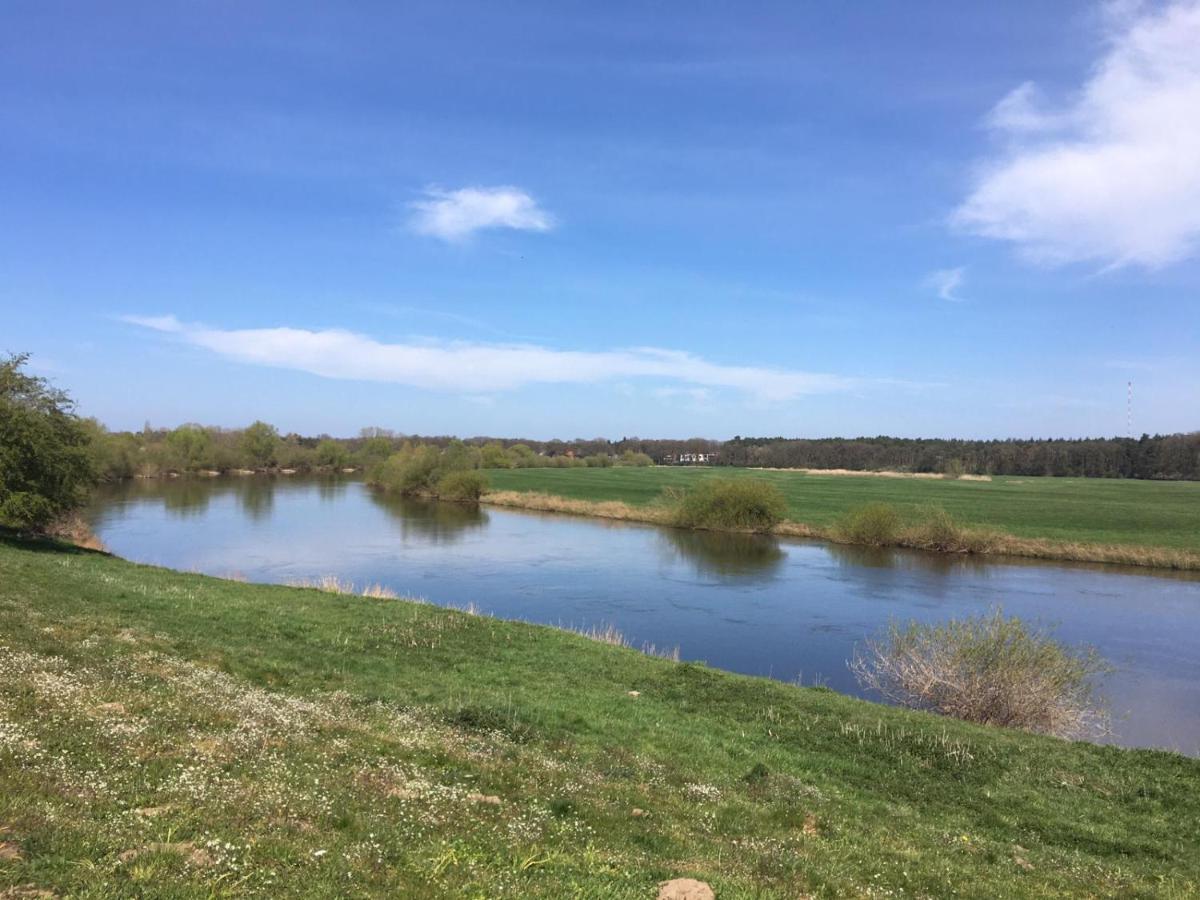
(991,670)
(598,461)
(463,484)
(45,463)
(744,504)
(937,530)
(413,469)
(494,456)
(630,458)
(331,454)
(875,525)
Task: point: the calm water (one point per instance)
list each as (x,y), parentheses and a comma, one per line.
(787,609)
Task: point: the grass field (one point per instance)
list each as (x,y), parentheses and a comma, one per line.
(171,735)
(1094,510)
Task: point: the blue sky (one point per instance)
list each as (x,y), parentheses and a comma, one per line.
(574,219)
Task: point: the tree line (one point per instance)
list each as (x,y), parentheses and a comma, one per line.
(49,455)
(1170,456)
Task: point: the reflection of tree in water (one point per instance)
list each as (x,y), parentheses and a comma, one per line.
(183,497)
(257,496)
(330,489)
(436,521)
(907,560)
(726,555)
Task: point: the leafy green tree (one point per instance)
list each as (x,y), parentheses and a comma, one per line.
(45,465)
(375,450)
(189,447)
(114,456)
(458,456)
(522,455)
(494,456)
(331,453)
(259,443)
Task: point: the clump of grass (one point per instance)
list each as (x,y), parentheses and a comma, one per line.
(989,669)
(740,504)
(464,484)
(875,525)
(331,584)
(611,635)
(607,634)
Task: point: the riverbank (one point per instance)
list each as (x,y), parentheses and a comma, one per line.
(199,735)
(1148,524)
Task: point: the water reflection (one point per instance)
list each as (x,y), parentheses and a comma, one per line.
(185,497)
(717,555)
(430,520)
(257,497)
(331,489)
(857,557)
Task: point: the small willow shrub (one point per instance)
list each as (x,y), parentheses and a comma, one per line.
(743,504)
(465,484)
(875,524)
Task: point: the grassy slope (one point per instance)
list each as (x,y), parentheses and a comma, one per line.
(170,734)
(1144,513)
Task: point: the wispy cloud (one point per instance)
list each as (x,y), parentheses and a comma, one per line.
(946,282)
(477,369)
(1113,175)
(456,215)
(698,396)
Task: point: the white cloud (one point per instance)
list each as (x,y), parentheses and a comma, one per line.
(1113,175)
(157,323)
(697,395)
(456,215)
(479,369)
(946,282)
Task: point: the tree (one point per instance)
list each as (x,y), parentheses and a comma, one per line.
(189,447)
(259,443)
(494,456)
(45,466)
(332,454)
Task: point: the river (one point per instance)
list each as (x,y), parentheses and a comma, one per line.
(791,610)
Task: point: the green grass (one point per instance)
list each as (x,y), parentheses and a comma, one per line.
(172,735)
(1095,510)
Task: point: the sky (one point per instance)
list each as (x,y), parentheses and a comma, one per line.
(571,219)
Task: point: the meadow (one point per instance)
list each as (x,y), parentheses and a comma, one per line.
(165,734)
(1139,513)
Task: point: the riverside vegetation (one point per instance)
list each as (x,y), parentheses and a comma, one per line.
(1095,520)
(169,734)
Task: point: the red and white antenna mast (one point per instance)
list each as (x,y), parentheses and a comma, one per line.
(1129,410)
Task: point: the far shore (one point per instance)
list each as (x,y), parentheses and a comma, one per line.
(997,544)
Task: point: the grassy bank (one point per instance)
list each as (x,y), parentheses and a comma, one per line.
(1093,520)
(166,734)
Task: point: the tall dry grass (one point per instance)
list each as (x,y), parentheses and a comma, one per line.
(331,584)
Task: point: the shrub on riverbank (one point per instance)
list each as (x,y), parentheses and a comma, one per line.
(424,470)
(874,525)
(740,504)
(937,530)
(413,469)
(882,525)
(467,484)
(991,670)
